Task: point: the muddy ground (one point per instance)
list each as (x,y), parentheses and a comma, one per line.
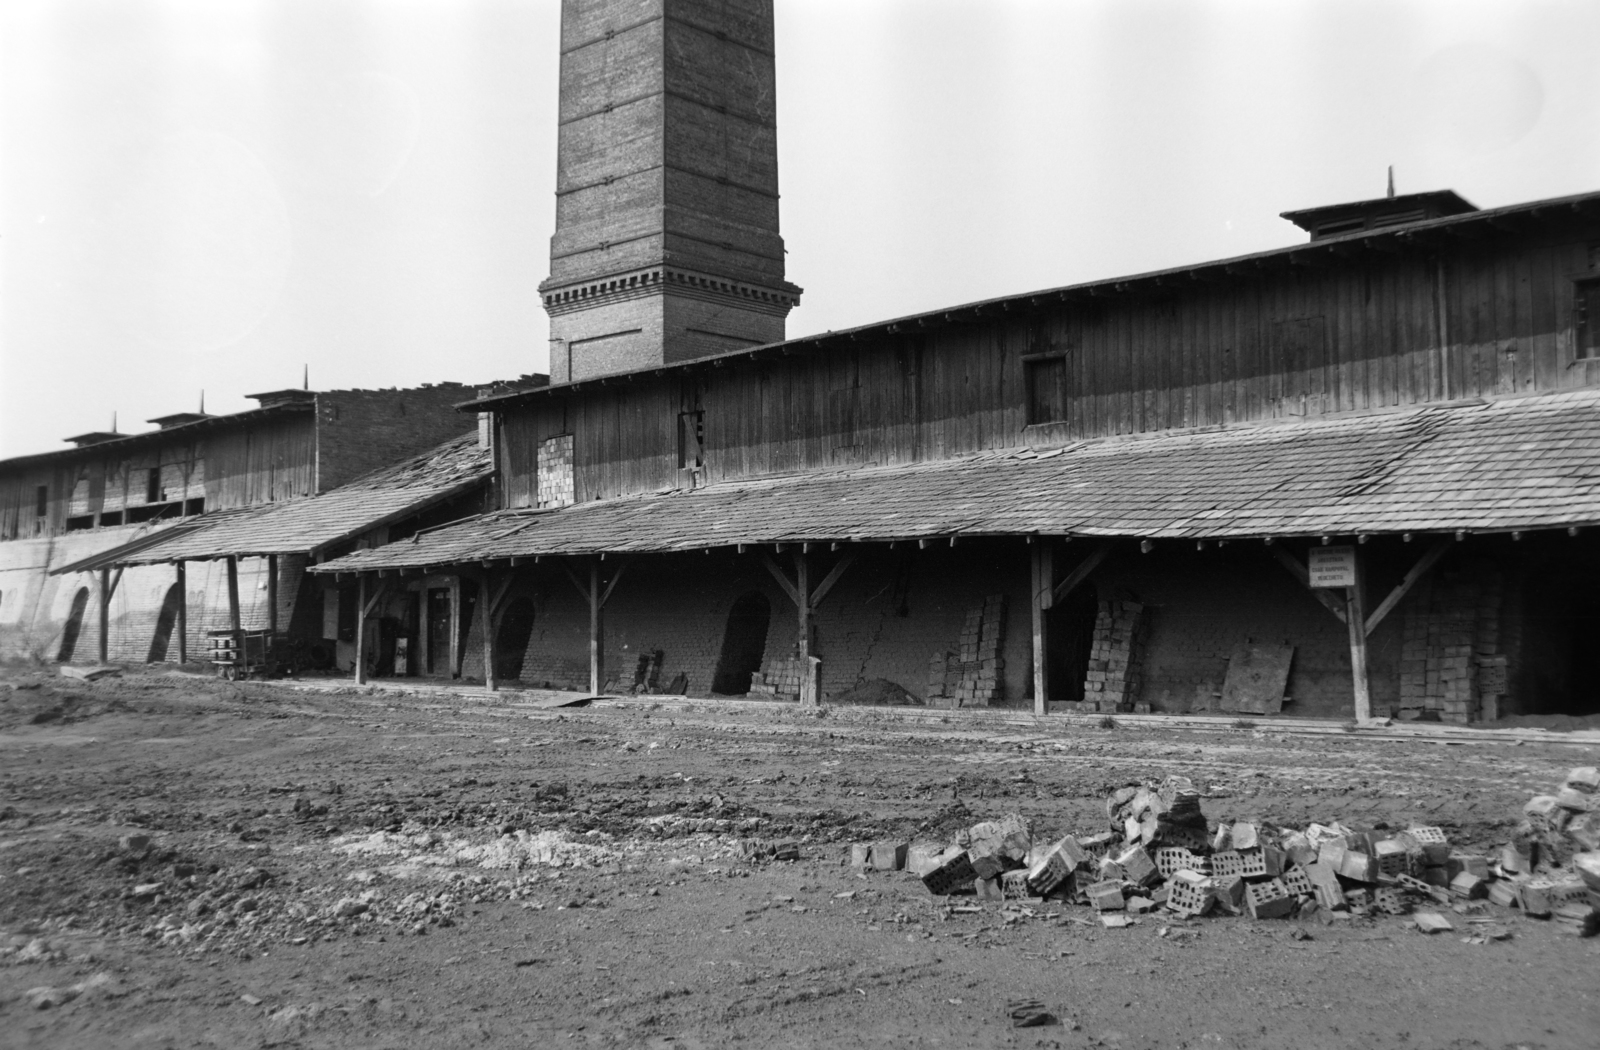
(367,869)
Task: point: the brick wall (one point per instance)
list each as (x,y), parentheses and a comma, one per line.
(35,606)
(359,431)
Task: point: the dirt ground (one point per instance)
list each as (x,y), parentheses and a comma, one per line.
(343,868)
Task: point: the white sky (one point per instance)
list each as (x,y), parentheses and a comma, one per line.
(212,193)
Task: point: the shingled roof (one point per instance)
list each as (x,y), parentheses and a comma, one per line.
(305,526)
(1506,465)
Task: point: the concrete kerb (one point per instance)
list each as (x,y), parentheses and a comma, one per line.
(975,717)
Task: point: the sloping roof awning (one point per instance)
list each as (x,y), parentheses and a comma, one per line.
(1507,465)
(306,526)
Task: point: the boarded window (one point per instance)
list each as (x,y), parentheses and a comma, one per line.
(1047,389)
(555,472)
(691,440)
(1587,319)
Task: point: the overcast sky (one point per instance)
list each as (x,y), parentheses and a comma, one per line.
(213,193)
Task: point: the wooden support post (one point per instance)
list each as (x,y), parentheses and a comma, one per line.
(808,678)
(488,598)
(455,627)
(272,595)
(1043,597)
(361,626)
(1356,619)
(596,654)
(233,609)
(105,614)
(183,614)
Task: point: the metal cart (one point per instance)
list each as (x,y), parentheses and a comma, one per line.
(240,654)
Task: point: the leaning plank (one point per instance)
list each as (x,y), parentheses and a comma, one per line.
(1081,572)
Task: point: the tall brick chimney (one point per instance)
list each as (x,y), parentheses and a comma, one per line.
(666,245)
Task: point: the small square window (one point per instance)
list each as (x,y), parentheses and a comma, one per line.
(1046,380)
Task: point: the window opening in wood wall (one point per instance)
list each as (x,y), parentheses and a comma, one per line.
(1586,318)
(1046,381)
(152,486)
(691,439)
(41,501)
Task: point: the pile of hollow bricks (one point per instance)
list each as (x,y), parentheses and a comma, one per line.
(973,675)
(1157,854)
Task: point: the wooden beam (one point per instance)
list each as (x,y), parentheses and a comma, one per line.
(1298,570)
(582,590)
(596,653)
(233,602)
(1418,571)
(105,614)
(361,626)
(605,595)
(183,614)
(783,580)
(1042,593)
(1355,619)
(808,678)
(829,580)
(491,601)
(272,594)
(1090,562)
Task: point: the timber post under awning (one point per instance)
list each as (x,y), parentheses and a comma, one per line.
(1045,593)
(806,599)
(1352,611)
(596,595)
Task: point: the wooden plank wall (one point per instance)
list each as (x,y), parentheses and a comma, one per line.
(270,461)
(1380,331)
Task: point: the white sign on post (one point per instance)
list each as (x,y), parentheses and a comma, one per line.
(1333,566)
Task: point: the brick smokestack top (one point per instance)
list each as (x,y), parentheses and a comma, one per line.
(666,245)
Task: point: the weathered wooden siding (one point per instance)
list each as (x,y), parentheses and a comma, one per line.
(1488,319)
(270,461)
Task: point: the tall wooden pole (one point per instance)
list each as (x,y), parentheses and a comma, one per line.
(487,601)
(1356,620)
(105,614)
(272,594)
(1043,576)
(183,615)
(596,655)
(808,678)
(361,630)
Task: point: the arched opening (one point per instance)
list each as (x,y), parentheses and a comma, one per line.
(164,621)
(511,640)
(744,643)
(69,634)
(1069,626)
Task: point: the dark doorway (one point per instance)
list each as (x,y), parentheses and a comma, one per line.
(164,622)
(1560,662)
(69,635)
(1069,626)
(439,631)
(511,640)
(744,643)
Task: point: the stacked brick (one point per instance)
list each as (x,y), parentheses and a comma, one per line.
(1154,854)
(973,675)
(1112,682)
(555,484)
(779,679)
(1451,667)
